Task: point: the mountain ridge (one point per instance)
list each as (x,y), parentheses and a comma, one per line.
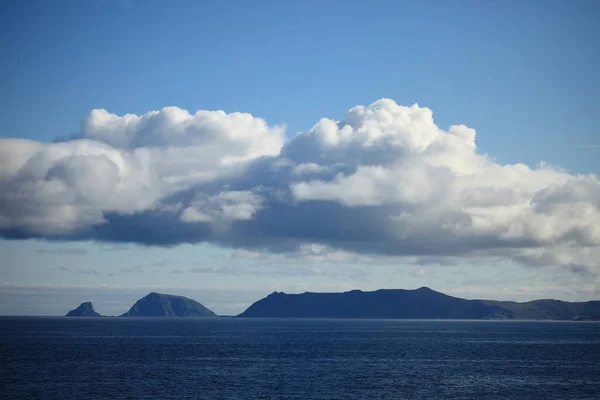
(421,303)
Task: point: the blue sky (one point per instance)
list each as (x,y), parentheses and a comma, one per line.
(522,74)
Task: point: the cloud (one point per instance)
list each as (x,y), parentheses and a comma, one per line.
(66,250)
(79,271)
(308,261)
(225,206)
(123,165)
(136,269)
(385,181)
(420,272)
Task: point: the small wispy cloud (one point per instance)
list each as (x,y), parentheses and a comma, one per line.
(114,247)
(82,271)
(66,250)
(177,271)
(161,263)
(133,269)
(587,146)
(420,273)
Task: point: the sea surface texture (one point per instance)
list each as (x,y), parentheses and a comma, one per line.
(227,358)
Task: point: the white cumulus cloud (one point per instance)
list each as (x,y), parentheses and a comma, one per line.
(385,181)
(123,164)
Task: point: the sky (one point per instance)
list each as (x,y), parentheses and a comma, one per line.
(223,150)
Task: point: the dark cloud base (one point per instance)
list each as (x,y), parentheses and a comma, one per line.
(386,180)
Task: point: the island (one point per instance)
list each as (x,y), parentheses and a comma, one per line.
(167,305)
(84,310)
(422,303)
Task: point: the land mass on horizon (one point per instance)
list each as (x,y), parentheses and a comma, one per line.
(85,309)
(422,303)
(167,305)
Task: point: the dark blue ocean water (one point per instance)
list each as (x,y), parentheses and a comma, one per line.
(61,358)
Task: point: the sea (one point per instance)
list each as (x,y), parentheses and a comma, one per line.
(231,358)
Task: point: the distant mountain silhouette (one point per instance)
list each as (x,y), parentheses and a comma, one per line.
(422,303)
(84,310)
(166,305)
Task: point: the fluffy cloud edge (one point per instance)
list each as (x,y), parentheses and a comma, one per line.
(384,180)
